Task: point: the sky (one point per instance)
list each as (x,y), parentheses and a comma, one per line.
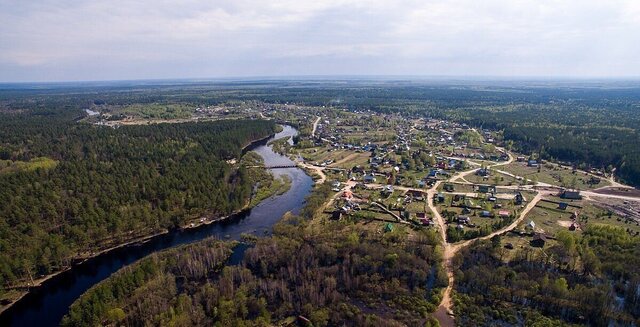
(73,40)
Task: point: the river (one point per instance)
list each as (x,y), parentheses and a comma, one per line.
(47,304)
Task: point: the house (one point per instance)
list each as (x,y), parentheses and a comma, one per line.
(531,225)
(440,197)
(486,189)
(486,214)
(415,193)
(448,187)
(539,240)
(369,178)
(562,206)
(484,172)
(571,195)
(520,158)
(532,163)
(335,184)
(503,214)
(426,221)
(519,198)
(347,194)
(387,190)
(337,215)
(464,219)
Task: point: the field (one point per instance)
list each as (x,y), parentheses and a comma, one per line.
(8,166)
(156,111)
(494,179)
(555,175)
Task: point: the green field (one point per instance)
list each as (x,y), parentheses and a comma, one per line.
(9,166)
(552,174)
(157,111)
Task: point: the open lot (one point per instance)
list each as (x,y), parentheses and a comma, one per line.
(555,175)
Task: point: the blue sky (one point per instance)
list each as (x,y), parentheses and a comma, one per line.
(67,40)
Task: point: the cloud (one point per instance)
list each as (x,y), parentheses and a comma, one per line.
(73,39)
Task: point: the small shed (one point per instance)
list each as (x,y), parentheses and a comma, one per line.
(388,227)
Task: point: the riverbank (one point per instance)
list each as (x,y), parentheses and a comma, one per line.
(76,262)
(15,293)
(272,191)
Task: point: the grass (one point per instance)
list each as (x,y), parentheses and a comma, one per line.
(278,186)
(8,166)
(157,111)
(502,180)
(553,174)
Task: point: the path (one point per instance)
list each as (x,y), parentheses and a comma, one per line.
(444,313)
(315,126)
(318,170)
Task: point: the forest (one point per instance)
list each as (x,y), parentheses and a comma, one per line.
(587,123)
(327,275)
(583,280)
(69,189)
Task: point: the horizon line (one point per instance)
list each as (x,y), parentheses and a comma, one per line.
(346,77)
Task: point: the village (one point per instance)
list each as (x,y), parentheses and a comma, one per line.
(384,166)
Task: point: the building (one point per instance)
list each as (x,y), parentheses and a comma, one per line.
(336,215)
(486,214)
(369,178)
(531,225)
(387,190)
(539,240)
(464,220)
(483,172)
(503,214)
(486,189)
(571,195)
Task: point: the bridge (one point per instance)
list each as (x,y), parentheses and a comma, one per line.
(275,166)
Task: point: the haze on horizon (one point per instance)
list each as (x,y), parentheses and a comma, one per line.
(70,40)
